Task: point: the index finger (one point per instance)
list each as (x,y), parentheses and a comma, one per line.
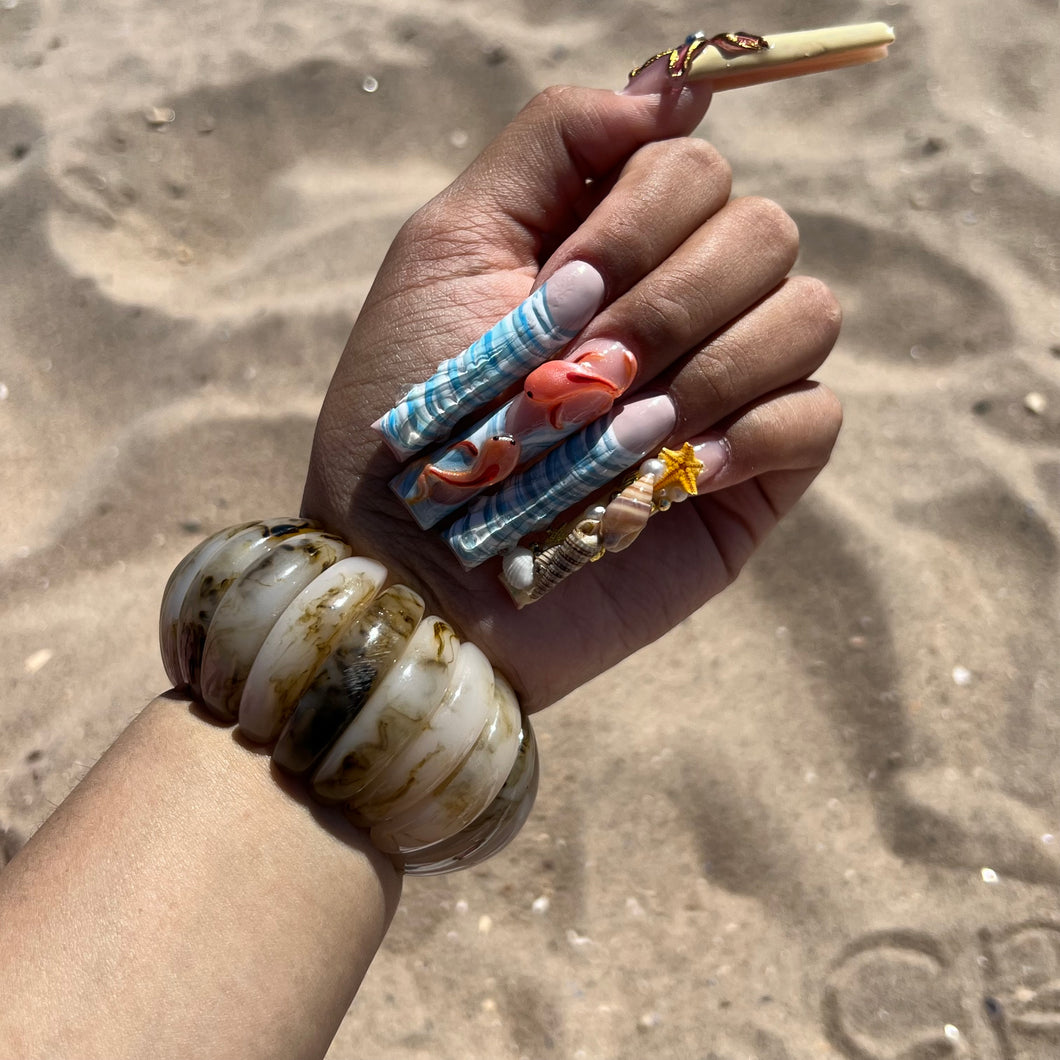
(528,181)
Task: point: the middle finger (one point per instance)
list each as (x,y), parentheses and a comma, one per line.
(725,266)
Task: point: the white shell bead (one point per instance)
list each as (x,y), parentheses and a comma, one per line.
(180,581)
(214,574)
(304,635)
(492,830)
(250,609)
(518,566)
(394,713)
(440,748)
(654,466)
(468,790)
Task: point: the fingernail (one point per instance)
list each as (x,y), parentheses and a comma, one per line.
(535,330)
(574,294)
(643,425)
(586,461)
(653,80)
(558,398)
(714,455)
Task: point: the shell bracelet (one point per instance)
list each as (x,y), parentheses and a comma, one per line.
(275,625)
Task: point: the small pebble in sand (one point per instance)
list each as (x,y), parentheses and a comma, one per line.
(459,138)
(540,905)
(1035,403)
(1048,839)
(461,906)
(485,924)
(951,1032)
(649,1021)
(4,392)
(370,84)
(159,116)
(989,876)
(38,660)
(962,676)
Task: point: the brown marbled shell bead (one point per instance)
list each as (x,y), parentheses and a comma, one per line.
(348,678)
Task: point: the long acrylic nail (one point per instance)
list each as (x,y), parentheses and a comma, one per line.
(584,463)
(558,398)
(529,335)
(652,80)
(714,454)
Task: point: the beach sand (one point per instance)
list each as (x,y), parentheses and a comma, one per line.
(822,818)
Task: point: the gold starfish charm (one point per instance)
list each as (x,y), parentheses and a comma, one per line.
(682,468)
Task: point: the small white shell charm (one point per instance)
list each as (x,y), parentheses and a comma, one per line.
(518,568)
(627,515)
(410,729)
(558,562)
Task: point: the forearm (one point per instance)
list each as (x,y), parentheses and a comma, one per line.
(181,902)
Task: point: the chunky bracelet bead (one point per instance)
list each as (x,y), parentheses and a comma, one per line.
(385,712)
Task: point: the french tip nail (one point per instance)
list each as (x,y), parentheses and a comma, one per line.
(714,455)
(574,294)
(644,424)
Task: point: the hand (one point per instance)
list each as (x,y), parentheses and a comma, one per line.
(696,288)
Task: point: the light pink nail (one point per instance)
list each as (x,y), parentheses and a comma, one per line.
(714,455)
(653,80)
(574,294)
(644,424)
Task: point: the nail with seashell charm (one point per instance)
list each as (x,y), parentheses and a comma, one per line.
(571,473)
(673,476)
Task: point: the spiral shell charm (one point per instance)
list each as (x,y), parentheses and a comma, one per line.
(556,563)
(627,515)
(383,710)
(672,476)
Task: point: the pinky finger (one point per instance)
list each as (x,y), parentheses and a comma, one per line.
(791,432)
(759,462)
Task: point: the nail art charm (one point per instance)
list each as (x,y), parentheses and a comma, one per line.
(532,333)
(679,60)
(557,398)
(672,476)
(583,464)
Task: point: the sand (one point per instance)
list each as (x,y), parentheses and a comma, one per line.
(822,818)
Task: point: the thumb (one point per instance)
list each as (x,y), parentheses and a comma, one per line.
(526,185)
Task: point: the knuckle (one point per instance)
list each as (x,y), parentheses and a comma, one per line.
(821,303)
(695,160)
(829,414)
(704,155)
(426,223)
(551,99)
(772,223)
